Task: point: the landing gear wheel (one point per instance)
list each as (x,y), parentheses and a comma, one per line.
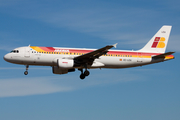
(26,72)
(82,76)
(86,72)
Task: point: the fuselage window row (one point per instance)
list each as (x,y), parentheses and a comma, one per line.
(75,53)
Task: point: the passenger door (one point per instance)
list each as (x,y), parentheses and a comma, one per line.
(27,52)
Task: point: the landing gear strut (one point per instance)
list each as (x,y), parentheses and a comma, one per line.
(26,72)
(83,75)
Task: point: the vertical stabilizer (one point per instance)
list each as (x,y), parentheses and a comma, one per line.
(159,41)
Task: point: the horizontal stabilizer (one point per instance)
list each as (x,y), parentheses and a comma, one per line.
(163,55)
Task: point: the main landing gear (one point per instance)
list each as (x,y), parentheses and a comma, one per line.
(84,74)
(26,72)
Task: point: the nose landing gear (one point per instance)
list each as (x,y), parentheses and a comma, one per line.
(26,72)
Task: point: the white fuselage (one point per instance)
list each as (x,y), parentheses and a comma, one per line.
(28,56)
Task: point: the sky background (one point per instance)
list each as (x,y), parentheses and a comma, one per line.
(143,93)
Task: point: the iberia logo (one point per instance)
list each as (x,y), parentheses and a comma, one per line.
(158,42)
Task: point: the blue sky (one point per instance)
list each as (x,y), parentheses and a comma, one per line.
(142,93)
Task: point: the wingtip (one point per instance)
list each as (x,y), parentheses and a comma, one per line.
(115,45)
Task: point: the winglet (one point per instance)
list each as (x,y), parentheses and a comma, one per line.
(115,45)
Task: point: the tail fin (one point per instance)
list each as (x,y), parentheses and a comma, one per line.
(159,41)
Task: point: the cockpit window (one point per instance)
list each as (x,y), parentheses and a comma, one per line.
(15,51)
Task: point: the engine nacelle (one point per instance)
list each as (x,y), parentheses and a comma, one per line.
(56,70)
(65,63)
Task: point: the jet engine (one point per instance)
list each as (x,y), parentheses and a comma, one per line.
(57,70)
(65,63)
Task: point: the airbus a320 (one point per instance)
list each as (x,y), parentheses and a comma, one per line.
(64,60)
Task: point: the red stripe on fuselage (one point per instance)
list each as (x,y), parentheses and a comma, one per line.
(80,51)
(47,49)
(51,49)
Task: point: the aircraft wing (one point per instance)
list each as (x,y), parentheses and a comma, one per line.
(89,57)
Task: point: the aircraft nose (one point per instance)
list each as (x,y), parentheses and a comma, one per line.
(7,57)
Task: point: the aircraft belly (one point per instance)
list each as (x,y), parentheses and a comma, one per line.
(119,62)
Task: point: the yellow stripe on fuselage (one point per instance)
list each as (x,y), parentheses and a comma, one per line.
(37,49)
(135,56)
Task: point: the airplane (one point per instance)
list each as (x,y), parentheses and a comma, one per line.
(64,60)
